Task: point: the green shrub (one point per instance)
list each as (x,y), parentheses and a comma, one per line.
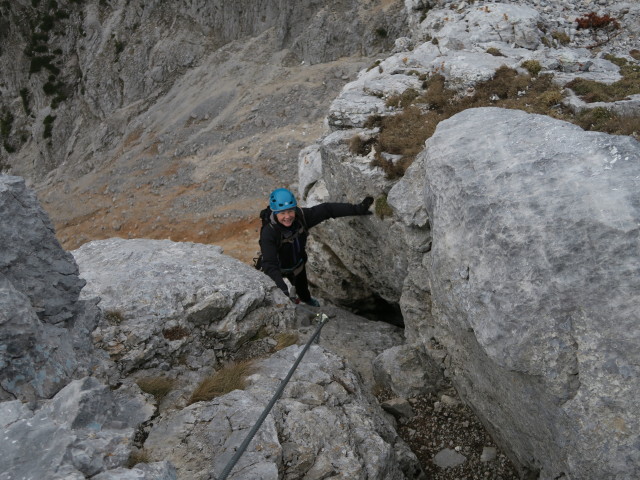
(119,46)
(47,23)
(44,61)
(381,32)
(25,96)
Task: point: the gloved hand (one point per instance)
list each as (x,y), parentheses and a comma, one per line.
(363,207)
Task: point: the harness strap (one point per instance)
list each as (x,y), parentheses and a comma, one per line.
(296,269)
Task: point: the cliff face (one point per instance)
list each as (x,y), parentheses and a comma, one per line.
(209,101)
(96,66)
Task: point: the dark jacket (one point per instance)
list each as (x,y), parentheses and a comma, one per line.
(279,255)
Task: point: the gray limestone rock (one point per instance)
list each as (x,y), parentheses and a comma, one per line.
(398,407)
(143,471)
(44,330)
(534,281)
(406,371)
(448,458)
(31,258)
(169,302)
(81,432)
(357,340)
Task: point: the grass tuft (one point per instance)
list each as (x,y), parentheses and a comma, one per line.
(532,66)
(138,456)
(159,387)
(286,340)
(561,37)
(230,377)
(361,147)
(591,91)
(175,333)
(382,208)
(495,52)
(114,316)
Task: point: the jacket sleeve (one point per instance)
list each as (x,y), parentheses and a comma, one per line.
(270,262)
(324,211)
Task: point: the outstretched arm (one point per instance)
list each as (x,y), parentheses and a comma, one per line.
(319,213)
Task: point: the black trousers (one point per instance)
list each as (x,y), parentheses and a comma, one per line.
(301,283)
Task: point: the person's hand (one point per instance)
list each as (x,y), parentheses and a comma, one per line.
(363,207)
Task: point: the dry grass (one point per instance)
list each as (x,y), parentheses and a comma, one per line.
(561,37)
(495,52)
(402,100)
(591,91)
(230,377)
(361,147)
(532,66)
(114,317)
(175,333)
(286,340)
(602,120)
(159,387)
(138,456)
(406,132)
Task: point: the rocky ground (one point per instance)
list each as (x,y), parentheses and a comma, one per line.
(450,441)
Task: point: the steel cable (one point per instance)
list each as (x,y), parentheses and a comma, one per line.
(243,446)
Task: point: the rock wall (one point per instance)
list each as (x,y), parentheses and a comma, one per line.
(512,246)
(45,329)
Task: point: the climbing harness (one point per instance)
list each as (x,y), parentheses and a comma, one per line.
(243,446)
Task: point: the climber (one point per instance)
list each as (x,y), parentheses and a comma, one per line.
(283,238)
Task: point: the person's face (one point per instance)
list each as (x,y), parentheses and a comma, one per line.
(286,217)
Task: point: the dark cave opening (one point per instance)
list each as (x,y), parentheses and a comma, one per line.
(378,309)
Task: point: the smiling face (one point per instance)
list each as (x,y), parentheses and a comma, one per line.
(286,217)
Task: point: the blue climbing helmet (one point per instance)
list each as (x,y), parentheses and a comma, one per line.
(282,199)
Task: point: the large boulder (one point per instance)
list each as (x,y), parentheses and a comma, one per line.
(168,303)
(535,279)
(44,330)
